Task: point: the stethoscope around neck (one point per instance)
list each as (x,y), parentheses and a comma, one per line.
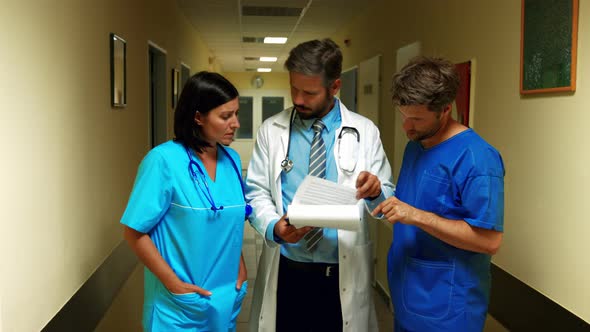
(192,164)
(287,163)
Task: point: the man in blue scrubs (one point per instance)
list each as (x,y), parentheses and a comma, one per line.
(447,211)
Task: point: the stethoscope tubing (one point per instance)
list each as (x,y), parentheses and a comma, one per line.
(203,179)
(287,164)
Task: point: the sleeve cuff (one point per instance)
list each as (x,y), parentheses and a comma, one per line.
(270,234)
(371,204)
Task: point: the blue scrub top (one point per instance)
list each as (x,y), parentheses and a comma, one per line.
(202,246)
(434,285)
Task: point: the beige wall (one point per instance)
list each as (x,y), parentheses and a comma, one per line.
(68,159)
(543,139)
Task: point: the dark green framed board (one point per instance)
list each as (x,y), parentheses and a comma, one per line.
(548,45)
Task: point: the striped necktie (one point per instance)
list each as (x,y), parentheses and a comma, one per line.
(317,167)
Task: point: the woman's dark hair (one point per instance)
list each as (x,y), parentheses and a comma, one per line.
(203,92)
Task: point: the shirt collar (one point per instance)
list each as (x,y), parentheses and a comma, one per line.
(330,120)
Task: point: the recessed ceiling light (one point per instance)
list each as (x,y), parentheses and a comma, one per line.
(268,58)
(263,70)
(275,40)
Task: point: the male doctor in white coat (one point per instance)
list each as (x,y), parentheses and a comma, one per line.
(314,279)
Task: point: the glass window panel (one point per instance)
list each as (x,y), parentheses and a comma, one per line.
(272,106)
(245,116)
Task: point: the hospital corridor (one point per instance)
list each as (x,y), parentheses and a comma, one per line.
(95,107)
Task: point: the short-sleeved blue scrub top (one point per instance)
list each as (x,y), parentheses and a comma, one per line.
(435,286)
(202,246)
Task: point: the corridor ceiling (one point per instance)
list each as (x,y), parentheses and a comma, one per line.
(233,29)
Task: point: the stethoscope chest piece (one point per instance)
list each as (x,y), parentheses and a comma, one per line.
(287,165)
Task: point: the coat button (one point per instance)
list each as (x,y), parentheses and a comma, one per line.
(344,289)
(346,323)
(344,257)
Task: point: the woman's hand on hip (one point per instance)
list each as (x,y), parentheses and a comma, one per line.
(242,273)
(182,287)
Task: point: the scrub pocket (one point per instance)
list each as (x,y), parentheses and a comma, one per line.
(179,312)
(427,287)
(433,193)
(238,304)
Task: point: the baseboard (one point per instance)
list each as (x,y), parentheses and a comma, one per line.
(513,303)
(519,307)
(88,305)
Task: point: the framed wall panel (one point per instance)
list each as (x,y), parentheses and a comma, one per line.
(548,46)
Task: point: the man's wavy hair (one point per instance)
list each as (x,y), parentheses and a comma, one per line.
(425,81)
(316,57)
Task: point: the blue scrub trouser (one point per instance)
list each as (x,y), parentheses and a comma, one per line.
(397,327)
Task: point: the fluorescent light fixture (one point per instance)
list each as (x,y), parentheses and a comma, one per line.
(275,40)
(268,58)
(263,70)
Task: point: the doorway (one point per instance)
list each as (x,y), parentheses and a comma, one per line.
(157,94)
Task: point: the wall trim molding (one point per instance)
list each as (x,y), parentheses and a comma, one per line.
(516,305)
(89,304)
(519,307)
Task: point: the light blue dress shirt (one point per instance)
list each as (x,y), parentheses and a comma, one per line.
(301,137)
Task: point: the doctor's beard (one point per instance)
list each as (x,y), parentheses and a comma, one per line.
(315,111)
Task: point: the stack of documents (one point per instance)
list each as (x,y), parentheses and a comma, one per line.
(322,203)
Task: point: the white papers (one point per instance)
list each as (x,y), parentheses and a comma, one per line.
(345,217)
(323,203)
(316,191)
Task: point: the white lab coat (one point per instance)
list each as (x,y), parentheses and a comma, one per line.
(354,248)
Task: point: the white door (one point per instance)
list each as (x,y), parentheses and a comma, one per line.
(403,56)
(348,90)
(385,229)
(157,93)
(369,87)
(0,314)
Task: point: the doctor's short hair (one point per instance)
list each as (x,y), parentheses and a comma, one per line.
(316,57)
(203,92)
(426,81)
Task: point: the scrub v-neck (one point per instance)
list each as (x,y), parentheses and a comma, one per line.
(206,172)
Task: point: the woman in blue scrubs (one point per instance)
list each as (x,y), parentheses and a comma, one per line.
(185,216)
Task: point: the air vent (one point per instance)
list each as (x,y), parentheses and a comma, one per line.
(250,69)
(271,11)
(253,39)
(251,58)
